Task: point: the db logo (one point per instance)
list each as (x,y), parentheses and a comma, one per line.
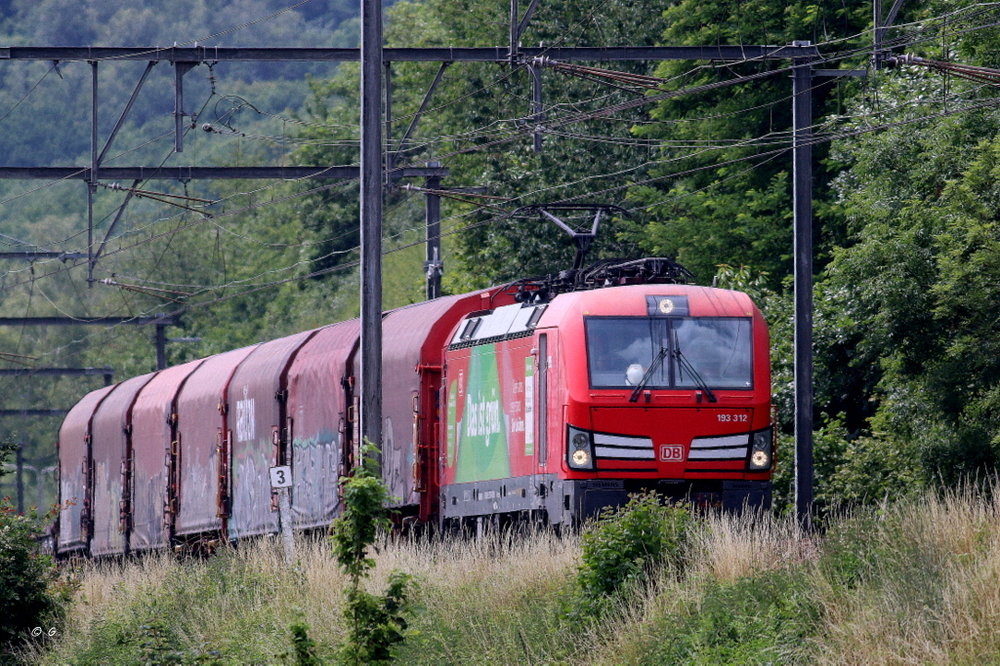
(671,453)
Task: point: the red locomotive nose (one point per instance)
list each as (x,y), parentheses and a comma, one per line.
(671,441)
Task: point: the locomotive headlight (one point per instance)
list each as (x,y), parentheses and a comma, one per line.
(760,450)
(579,449)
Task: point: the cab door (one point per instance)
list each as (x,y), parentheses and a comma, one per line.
(547,404)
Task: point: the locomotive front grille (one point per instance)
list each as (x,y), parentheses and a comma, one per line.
(727,447)
(619,447)
(621,453)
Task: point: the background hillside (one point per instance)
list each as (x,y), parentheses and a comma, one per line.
(908,265)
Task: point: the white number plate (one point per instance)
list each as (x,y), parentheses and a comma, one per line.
(281,477)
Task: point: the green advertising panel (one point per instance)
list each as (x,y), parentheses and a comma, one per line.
(482,453)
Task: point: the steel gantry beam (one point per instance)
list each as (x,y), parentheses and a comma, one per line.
(208,54)
(50,372)
(207,173)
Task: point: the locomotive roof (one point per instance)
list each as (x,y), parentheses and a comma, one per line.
(507,322)
(631,300)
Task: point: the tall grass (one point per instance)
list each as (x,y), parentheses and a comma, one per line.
(925,586)
(490,598)
(915,582)
(237,605)
(912,582)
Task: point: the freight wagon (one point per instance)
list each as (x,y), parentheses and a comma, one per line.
(548,399)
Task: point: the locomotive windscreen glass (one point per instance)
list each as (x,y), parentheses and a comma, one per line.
(713,350)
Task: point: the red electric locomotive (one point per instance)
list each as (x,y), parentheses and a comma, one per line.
(551,398)
(565,405)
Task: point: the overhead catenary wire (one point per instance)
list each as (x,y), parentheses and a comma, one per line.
(497,82)
(699,67)
(660,161)
(985,75)
(606,113)
(817,139)
(216,223)
(346,266)
(300,3)
(598,176)
(571,199)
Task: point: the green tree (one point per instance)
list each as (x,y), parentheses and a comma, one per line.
(708,200)
(916,284)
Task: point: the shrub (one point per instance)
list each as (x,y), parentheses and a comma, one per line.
(304,646)
(376,624)
(627,543)
(30,594)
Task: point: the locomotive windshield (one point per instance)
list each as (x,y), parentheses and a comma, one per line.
(676,352)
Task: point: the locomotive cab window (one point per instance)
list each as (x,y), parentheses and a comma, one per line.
(670,352)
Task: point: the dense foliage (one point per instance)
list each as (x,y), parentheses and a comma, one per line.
(914,287)
(31,598)
(718,192)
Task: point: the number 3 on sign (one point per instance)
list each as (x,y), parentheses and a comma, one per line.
(281,477)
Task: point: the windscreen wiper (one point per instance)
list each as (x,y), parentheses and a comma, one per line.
(684,364)
(657,362)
